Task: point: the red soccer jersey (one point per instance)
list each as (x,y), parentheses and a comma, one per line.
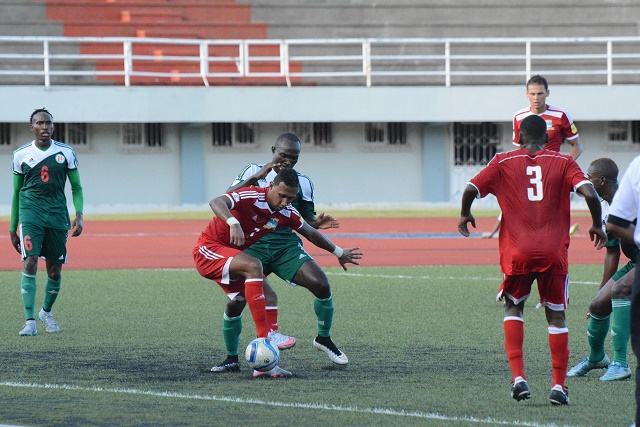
(533,191)
(559,126)
(250,207)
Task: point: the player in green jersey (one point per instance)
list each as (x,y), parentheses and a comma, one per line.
(40,171)
(281,252)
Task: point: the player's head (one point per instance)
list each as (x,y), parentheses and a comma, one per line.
(41,122)
(537,92)
(283,189)
(533,133)
(286,151)
(603,174)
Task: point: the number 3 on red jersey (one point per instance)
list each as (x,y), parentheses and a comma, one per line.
(535,194)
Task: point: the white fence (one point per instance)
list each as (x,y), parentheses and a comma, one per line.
(353,61)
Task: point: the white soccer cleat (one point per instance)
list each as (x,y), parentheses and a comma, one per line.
(283,342)
(276,372)
(50,325)
(29,329)
(325,344)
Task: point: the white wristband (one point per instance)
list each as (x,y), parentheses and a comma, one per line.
(338,251)
(232,220)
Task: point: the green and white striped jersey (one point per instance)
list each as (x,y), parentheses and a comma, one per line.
(42,199)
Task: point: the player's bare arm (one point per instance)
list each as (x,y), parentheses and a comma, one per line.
(253,179)
(348,255)
(220,206)
(322,221)
(466,217)
(611,261)
(622,228)
(576,148)
(596,234)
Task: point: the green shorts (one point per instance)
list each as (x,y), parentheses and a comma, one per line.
(623,271)
(283,260)
(47,243)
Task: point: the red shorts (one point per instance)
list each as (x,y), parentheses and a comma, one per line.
(553,289)
(212,262)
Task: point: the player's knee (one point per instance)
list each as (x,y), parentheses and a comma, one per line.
(621,291)
(600,307)
(320,288)
(235,306)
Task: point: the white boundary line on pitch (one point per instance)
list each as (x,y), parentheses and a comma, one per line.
(391,276)
(381,411)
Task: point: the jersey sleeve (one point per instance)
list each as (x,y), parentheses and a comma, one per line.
(515,138)
(625,201)
(569,129)
(247,172)
(306,205)
(487,179)
(72,161)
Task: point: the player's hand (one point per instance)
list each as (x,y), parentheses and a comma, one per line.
(349,256)
(76,225)
(326,221)
(463,222)
(264,171)
(598,237)
(15,241)
(236,235)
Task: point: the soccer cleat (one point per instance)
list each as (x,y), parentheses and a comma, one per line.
(276,372)
(325,344)
(582,369)
(616,372)
(29,329)
(574,229)
(520,390)
(230,364)
(559,396)
(50,325)
(282,341)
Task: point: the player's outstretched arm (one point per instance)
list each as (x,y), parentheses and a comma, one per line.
(468,197)
(220,206)
(253,179)
(345,256)
(596,233)
(322,221)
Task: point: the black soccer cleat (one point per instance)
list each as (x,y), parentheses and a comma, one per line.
(559,396)
(520,390)
(230,364)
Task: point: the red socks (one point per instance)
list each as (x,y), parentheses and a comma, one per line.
(254,294)
(513,340)
(559,346)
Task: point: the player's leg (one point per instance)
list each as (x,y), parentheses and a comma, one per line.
(554,295)
(31,238)
(597,329)
(515,290)
(54,251)
(231,330)
(635,334)
(620,328)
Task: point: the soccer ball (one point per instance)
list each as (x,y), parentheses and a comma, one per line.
(262,355)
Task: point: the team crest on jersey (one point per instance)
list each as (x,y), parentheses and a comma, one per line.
(271,224)
(574,129)
(549,124)
(59,158)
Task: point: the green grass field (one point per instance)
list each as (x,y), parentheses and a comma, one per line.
(425,347)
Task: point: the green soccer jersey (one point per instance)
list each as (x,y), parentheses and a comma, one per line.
(303,203)
(42,199)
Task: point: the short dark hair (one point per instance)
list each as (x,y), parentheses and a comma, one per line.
(289,137)
(606,168)
(538,80)
(288,176)
(39,110)
(533,129)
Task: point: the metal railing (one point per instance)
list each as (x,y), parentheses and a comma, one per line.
(368,61)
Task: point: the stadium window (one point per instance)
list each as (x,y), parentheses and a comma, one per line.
(392,133)
(143,135)
(476,143)
(73,134)
(317,135)
(624,131)
(233,134)
(5,134)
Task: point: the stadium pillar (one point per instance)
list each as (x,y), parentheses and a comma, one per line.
(192,185)
(435,163)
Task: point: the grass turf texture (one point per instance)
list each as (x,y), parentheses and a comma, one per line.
(425,347)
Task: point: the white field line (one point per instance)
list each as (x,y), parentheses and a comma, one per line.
(381,411)
(394,276)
